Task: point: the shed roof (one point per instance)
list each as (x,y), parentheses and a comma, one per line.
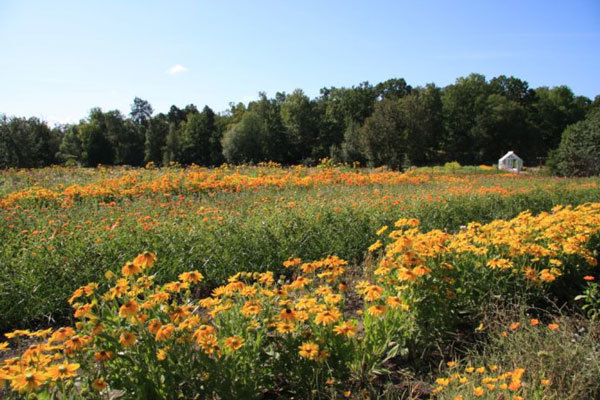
(510,154)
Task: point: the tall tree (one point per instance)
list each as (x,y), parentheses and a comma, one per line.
(196,134)
(141,111)
(96,148)
(422,112)
(155,140)
(462,103)
(382,136)
(300,123)
(171,149)
(70,147)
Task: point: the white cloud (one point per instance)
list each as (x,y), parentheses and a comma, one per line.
(176,69)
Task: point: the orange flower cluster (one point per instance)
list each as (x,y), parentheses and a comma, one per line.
(488,382)
(529,245)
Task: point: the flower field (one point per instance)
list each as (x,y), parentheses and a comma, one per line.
(270,282)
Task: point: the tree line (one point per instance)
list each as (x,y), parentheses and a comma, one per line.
(473,121)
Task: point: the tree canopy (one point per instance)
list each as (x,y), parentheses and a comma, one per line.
(472,121)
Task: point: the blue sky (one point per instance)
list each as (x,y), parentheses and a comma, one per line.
(59,58)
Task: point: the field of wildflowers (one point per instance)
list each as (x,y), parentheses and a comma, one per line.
(270,282)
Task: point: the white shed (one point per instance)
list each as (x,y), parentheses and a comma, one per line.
(510,162)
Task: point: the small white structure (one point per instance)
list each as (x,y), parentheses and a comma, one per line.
(510,162)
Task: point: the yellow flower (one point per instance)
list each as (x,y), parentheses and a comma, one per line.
(309,350)
(17,333)
(161,354)
(4,346)
(442,381)
(546,382)
(375,246)
(285,327)
(478,391)
(382,230)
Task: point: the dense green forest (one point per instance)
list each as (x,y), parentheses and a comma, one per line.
(473,121)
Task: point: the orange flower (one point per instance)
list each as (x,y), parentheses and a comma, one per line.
(373,293)
(191,277)
(99,384)
(478,391)
(130,269)
(377,310)
(128,309)
(145,260)
(515,385)
(103,355)
(345,328)
(165,332)
(287,315)
(514,326)
(250,308)
(553,327)
(292,262)
(62,371)
(154,325)
(127,339)
(234,342)
(61,334)
(328,317)
(589,278)
(534,322)
(28,380)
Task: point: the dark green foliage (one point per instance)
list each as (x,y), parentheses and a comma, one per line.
(27,143)
(579,150)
